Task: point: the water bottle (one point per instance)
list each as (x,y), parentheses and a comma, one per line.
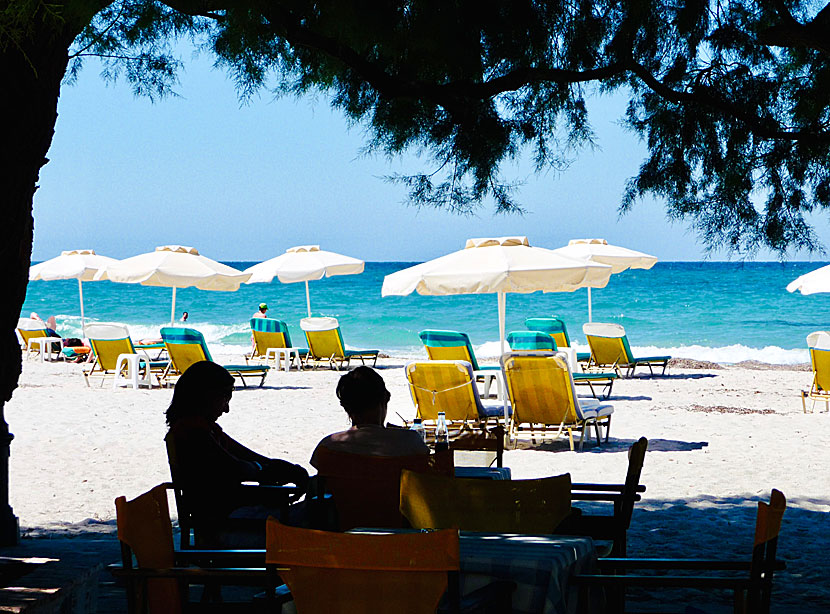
(442,434)
(418,427)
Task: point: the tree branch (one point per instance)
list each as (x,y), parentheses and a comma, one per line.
(704,96)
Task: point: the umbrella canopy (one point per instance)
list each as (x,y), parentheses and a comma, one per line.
(174,266)
(497,265)
(304,263)
(812,282)
(598,250)
(80,264)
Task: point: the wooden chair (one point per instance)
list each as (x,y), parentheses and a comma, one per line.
(197,532)
(623,496)
(157,576)
(363,573)
(497,506)
(366,489)
(749,580)
(484,440)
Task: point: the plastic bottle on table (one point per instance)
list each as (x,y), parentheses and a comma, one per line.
(442,434)
(418,427)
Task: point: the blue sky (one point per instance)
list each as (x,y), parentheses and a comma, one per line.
(245,182)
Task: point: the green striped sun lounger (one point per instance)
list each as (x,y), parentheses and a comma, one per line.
(555,327)
(186,346)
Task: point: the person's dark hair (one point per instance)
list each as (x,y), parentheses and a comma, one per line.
(362,392)
(197,387)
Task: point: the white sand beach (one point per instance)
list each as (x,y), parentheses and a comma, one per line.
(719,440)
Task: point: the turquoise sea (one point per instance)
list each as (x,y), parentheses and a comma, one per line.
(719,311)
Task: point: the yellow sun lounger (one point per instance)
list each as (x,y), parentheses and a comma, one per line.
(610,349)
(544,400)
(187,346)
(819,344)
(116,355)
(273,342)
(33,335)
(448,386)
(325,344)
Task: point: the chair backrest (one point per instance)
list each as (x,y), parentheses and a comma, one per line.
(767,528)
(448,345)
(269,333)
(144,529)
(444,385)
(497,506)
(366,489)
(530,340)
(185,346)
(554,327)
(108,341)
(540,388)
(608,343)
(342,572)
(29,328)
(323,337)
(819,344)
(483,440)
(636,458)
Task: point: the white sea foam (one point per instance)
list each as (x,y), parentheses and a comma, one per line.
(728,354)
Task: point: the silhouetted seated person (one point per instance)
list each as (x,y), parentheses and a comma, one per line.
(361,466)
(364,396)
(210,466)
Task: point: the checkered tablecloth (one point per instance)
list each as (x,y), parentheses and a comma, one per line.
(540,565)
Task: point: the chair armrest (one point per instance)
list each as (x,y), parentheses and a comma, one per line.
(604,487)
(599,496)
(622,581)
(687,564)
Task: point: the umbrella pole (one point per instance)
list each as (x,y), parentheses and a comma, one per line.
(173,308)
(589,305)
(307,299)
(81,294)
(502,309)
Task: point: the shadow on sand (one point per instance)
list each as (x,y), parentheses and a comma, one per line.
(614,446)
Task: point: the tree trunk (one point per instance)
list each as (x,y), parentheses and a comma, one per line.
(31,70)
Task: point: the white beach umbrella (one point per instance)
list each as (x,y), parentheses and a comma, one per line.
(174,266)
(497,265)
(80,264)
(304,263)
(598,250)
(812,282)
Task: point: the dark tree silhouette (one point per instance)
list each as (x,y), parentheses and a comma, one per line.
(731,98)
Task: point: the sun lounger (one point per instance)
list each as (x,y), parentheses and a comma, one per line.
(325,344)
(186,346)
(544,401)
(819,344)
(453,345)
(273,342)
(555,327)
(116,355)
(34,339)
(448,386)
(609,348)
(532,340)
